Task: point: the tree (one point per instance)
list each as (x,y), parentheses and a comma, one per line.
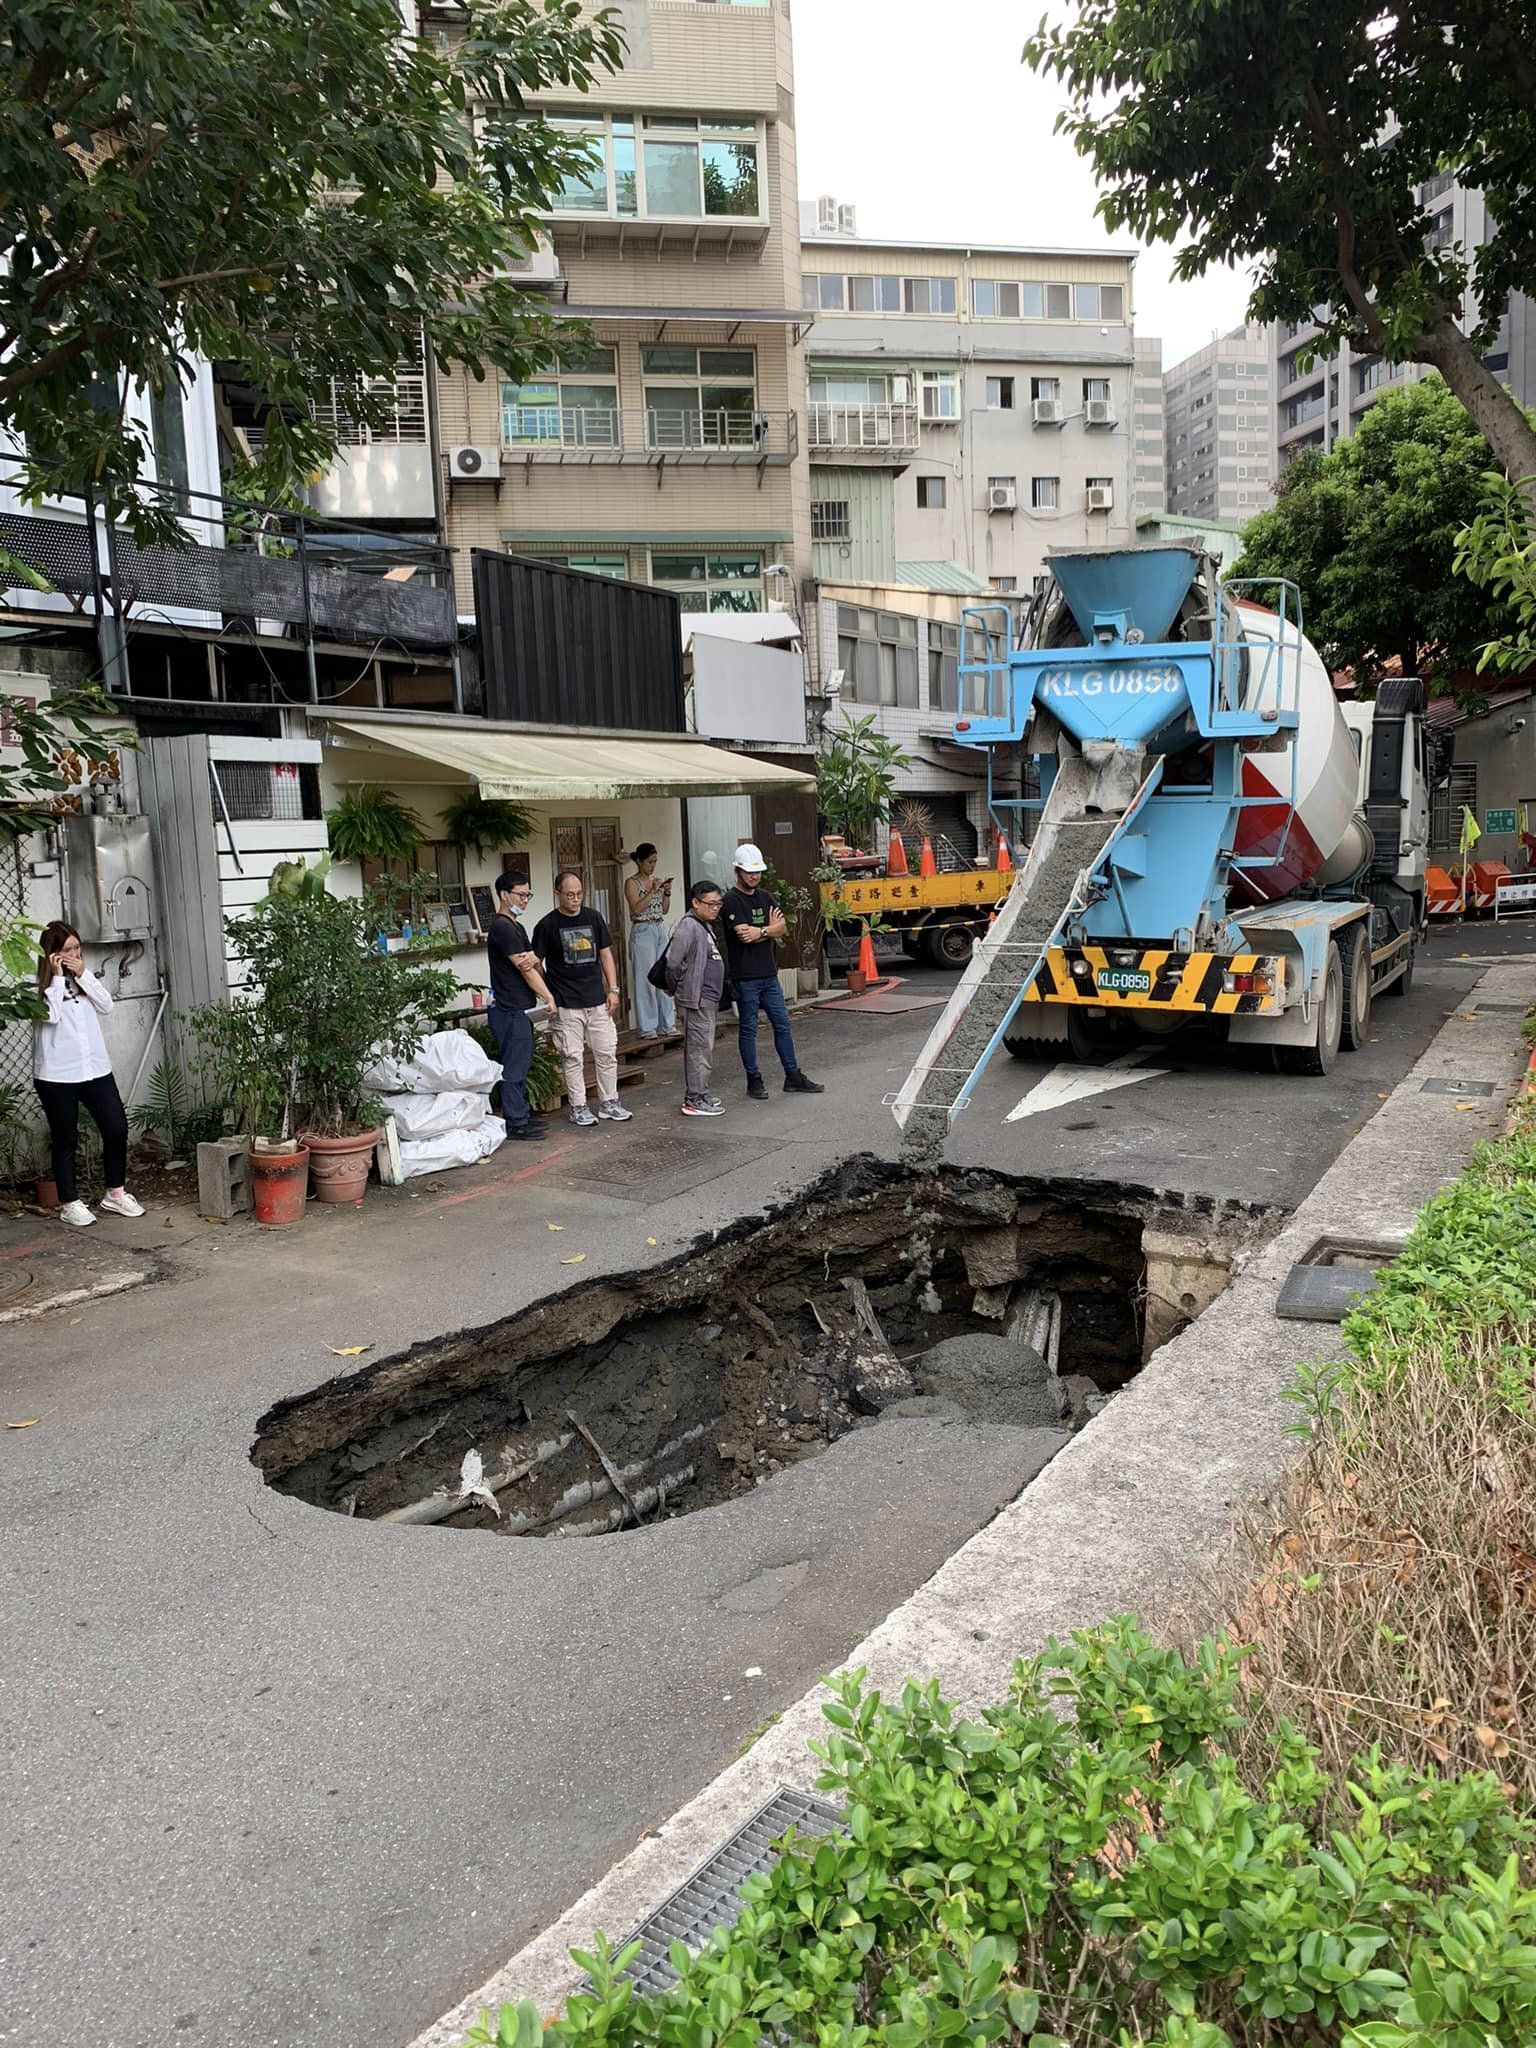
(304,190)
(1302,139)
(856,772)
(1497,550)
(1369,533)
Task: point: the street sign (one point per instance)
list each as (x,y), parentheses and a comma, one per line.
(1499,821)
(1514,896)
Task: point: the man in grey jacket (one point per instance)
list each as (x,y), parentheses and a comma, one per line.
(697,972)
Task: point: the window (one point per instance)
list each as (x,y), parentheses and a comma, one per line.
(994,299)
(445,865)
(940,391)
(1045,493)
(1100,483)
(700,397)
(1003,585)
(822,294)
(930,494)
(1000,394)
(944,668)
(595,565)
(672,167)
(575,404)
(1442,230)
(849,388)
(1096,390)
(1098,302)
(928,295)
(874,294)
(1300,409)
(725,582)
(1437,187)
(169,433)
(877,652)
(829,519)
(1048,388)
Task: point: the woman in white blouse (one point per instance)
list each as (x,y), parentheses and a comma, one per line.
(70,1067)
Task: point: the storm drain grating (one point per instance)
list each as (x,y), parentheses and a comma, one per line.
(711,1897)
(1448,1087)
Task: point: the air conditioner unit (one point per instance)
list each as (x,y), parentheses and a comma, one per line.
(539,265)
(1099,412)
(1046,412)
(472,462)
(847,220)
(1002,498)
(1101,497)
(826,215)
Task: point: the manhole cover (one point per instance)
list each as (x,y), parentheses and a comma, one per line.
(711,1898)
(1332,1277)
(14,1281)
(1445,1087)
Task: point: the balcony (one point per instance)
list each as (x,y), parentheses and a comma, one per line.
(654,436)
(869,433)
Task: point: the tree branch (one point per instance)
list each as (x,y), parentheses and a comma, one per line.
(44,366)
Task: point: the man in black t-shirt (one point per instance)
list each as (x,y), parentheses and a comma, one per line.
(516,986)
(575,949)
(753,925)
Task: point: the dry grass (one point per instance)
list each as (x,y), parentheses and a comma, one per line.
(1389,1587)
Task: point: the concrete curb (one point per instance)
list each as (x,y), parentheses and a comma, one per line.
(1527,1090)
(1127,1516)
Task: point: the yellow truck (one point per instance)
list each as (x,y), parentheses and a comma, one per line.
(937,917)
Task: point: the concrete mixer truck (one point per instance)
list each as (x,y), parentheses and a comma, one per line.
(1216,840)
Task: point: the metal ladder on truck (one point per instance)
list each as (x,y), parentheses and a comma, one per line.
(1093,800)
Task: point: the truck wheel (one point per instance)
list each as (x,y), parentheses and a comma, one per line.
(1404,981)
(948,945)
(1356,955)
(1318,1058)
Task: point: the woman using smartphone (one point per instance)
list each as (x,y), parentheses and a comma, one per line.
(70,1067)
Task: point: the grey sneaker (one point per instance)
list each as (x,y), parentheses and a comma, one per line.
(615,1113)
(583,1119)
(703,1105)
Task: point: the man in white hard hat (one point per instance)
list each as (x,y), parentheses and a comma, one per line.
(754,927)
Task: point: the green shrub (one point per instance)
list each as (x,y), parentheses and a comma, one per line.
(1099,1882)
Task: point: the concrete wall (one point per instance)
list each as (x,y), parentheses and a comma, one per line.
(1500,746)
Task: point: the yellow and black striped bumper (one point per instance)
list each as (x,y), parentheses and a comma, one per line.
(1134,977)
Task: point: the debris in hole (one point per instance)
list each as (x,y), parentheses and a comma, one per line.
(877,1299)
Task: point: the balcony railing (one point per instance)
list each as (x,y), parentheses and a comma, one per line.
(653,434)
(879,429)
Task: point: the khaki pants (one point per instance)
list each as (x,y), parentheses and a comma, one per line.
(577,1032)
(698,1050)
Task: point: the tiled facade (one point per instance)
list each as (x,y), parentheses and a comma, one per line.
(1149,479)
(1217,406)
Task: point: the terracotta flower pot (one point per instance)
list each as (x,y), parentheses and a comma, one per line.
(338,1167)
(47,1191)
(279,1184)
(857,982)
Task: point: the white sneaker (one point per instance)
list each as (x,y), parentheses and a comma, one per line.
(583,1118)
(122,1205)
(77,1214)
(615,1113)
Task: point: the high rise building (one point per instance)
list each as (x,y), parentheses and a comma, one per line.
(1217,409)
(1149,482)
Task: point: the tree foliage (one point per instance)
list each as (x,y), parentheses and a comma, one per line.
(299,188)
(1301,140)
(1497,550)
(1369,534)
(856,772)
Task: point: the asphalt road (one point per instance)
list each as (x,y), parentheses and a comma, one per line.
(281,1780)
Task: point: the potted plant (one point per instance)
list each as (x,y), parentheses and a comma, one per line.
(474,822)
(372,823)
(319,1006)
(858,980)
(856,770)
(800,911)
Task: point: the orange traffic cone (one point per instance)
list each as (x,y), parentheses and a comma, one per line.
(927,865)
(1004,857)
(896,857)
(867,967)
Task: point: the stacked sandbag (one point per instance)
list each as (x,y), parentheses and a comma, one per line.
(440,1099)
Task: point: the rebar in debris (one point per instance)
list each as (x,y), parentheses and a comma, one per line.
(614,1475)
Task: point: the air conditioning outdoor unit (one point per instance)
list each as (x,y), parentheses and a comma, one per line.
(1046,412)
(1099,412)
(826,214)
(540,264)
(847,220)
(1101,497)
(475,462)
(1002,498)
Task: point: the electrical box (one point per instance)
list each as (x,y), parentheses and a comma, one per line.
(107,870)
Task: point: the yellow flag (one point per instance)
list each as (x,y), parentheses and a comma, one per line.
(1471,831)
(1522,821)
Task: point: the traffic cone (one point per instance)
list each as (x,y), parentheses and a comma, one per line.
(896,857)
(1004,857)
(867,967)
(927,865)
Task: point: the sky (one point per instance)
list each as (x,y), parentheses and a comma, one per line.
(926,119)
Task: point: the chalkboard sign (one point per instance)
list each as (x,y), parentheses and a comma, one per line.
(483,897)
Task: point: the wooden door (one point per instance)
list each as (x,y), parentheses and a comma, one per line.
(592,847)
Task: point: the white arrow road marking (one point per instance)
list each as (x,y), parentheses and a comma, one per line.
(1066,1084)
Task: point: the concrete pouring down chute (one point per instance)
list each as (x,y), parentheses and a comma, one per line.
(964,1297)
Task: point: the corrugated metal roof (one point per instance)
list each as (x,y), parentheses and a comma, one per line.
(941,576)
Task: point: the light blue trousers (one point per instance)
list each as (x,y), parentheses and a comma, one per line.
(654,1013)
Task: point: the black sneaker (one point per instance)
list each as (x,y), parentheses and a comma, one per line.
(757,1088)
(529,1130)
(796,1083)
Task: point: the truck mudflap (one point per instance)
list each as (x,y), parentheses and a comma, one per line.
(1131,977)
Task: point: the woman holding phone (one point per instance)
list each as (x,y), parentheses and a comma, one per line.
(649,897)
(70,1067)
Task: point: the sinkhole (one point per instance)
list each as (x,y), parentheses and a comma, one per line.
(876,1294)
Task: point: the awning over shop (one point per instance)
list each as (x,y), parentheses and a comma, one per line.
(557,767)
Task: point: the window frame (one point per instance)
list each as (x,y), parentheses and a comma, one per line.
(599,426)
(820,508)
(712,583)
(631,126)
(1050,499)
(926,501)
(892,683)
(939,381)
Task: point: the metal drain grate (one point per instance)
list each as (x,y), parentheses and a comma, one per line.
(711,1898)
(1499,1009)
(1446,1087)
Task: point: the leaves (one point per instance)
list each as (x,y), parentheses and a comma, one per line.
(856,772)
(348,1350)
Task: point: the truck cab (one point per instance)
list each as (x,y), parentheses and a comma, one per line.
(1400,761)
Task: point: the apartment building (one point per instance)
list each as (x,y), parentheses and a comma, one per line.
(1149,483)
(1318,404)
(1217,409)
(667,447)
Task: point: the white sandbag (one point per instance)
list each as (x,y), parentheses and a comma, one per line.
(451,1148)
(428,1116)
(443,1060)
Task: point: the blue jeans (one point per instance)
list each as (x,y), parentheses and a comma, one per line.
(767,995)
(654,1013)
(513,1034)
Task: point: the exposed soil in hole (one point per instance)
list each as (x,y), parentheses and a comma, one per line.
(878,1293)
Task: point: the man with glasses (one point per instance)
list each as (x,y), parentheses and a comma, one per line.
(575,949)
(517,985)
